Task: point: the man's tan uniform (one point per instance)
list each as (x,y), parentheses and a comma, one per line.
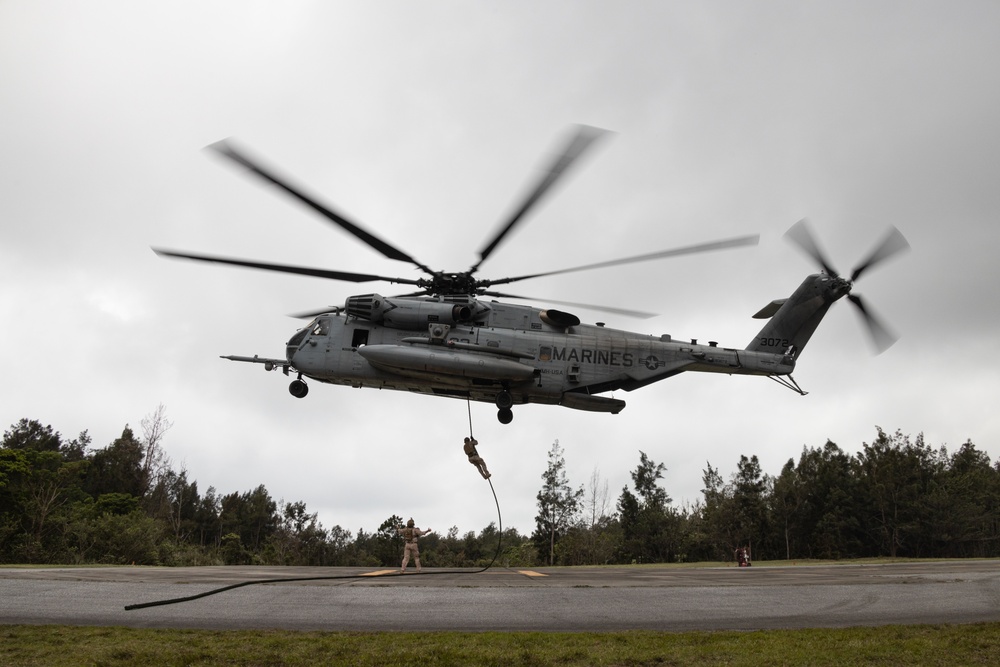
(410,535)
(474,457)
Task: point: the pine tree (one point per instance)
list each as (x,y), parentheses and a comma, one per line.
(558,503)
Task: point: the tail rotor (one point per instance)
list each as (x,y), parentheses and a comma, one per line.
(892,244)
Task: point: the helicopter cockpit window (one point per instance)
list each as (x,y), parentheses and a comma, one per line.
(322,328)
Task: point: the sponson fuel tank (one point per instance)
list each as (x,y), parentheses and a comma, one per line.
(442,361)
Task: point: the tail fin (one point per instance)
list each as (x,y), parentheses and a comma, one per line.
(793,320)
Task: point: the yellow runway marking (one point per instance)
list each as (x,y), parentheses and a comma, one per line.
(379,573)
(529,573)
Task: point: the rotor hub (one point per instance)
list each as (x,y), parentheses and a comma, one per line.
(450,283)
(840,287)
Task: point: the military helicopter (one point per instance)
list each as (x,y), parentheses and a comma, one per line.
(446,339)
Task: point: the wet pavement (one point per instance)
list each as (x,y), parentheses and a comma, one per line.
(547,599)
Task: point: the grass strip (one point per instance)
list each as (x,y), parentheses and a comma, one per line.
(29,645)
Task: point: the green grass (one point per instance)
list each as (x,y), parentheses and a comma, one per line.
(977,644)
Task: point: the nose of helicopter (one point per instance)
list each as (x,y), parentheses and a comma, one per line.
(293,345)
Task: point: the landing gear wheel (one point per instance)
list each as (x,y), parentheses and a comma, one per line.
(504,400)
(505,415)
(298,389)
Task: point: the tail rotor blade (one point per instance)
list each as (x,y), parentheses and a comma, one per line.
(800,235)
(881,337)
(893,243)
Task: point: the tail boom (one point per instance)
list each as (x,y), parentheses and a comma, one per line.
(793,323)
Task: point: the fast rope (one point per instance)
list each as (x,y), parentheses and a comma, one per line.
(189,598)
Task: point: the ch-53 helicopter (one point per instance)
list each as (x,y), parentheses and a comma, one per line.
(447,340)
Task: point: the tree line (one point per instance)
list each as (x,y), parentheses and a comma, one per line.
(897,497)
(65,501)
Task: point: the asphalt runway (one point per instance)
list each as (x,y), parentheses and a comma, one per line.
(543,599)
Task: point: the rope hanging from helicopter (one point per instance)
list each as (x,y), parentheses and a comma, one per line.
(345,577)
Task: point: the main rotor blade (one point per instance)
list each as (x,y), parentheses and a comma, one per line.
(893,243)
(803,237)
(675,252)
(310,314)
(578,144)
(284,268)
(640,314)
(881,337)
(225,149)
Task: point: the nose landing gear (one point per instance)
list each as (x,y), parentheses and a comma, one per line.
(298,389)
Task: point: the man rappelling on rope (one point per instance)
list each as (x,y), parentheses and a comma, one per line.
(474,457)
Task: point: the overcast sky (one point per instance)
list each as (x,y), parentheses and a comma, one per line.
(425,122)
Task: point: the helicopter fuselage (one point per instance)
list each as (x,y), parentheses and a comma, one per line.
(497,352)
